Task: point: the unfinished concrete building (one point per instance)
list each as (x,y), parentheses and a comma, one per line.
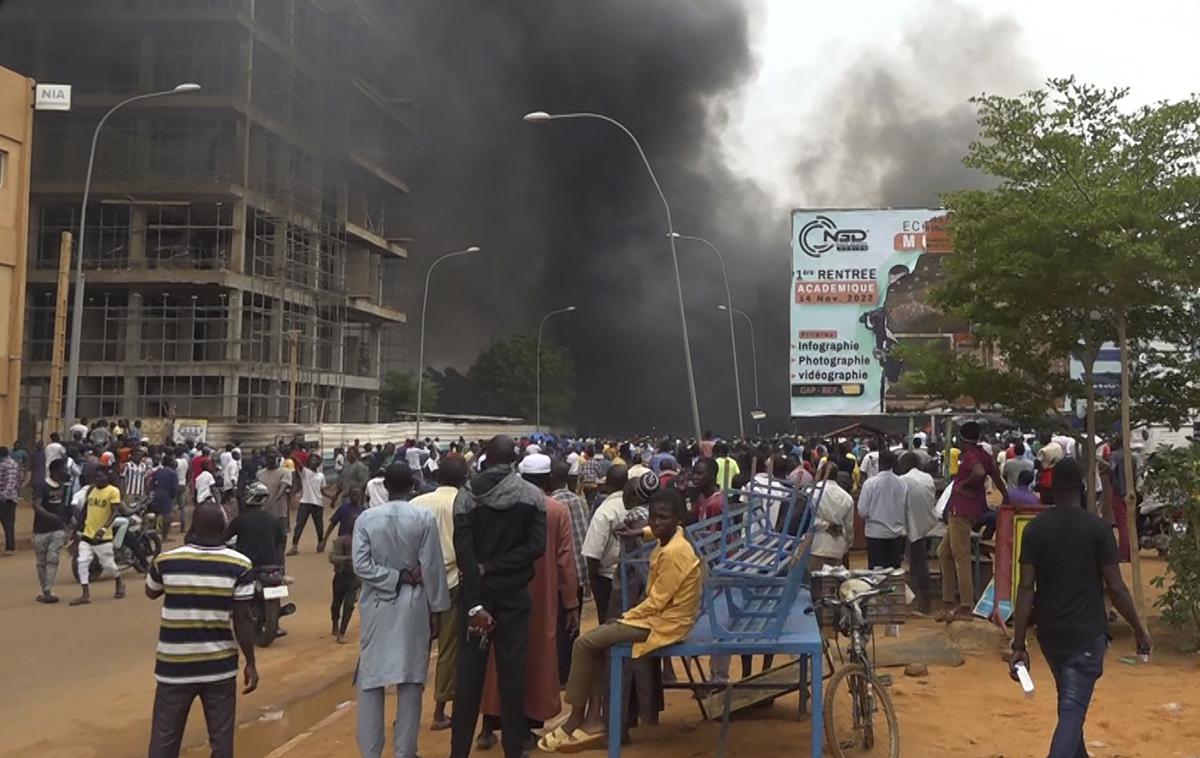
(237,236)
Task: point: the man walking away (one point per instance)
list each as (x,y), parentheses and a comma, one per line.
(312,503)
(919,510)
(882,506)
(967,503)
(1119,504)
(452,476)
(1068,558)
(393,543)
(279,488)
(212,588)
(10,486)
(346,583)
(499,533)
(51,519)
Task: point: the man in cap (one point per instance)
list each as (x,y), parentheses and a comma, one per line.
(555,585)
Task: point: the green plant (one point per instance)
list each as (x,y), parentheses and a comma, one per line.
(1173,477)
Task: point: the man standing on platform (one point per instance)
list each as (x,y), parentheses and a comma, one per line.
(882,506)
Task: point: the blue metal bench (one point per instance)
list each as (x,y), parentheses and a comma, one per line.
(753,596)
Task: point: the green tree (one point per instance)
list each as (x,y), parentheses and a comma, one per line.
(1089,236)
(503,379)
(398,393)
(1173,477)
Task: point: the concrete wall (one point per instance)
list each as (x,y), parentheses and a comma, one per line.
(16,142)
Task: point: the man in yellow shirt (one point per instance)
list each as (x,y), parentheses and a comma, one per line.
(95,538)
(665,617)
(727,468)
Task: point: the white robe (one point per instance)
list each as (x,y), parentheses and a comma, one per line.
(394,635)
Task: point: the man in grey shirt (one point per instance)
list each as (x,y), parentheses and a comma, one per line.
(1012,468)
(882,506)
(920,517)
(278,481)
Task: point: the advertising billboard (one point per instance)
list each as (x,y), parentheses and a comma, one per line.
(843,264)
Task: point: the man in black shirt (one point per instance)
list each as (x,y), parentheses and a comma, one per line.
(499,533)
(51,519)
(260,536)
(1068,558)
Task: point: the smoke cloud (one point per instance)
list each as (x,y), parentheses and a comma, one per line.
(566,214)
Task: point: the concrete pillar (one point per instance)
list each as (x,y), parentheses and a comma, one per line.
(237,245)
(133,356)
(233,326)
(137,236)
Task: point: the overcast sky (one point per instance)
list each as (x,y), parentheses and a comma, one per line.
(805,49)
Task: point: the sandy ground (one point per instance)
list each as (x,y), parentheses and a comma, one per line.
(79,682)
(969,711)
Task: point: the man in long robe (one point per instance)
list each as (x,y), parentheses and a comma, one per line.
(555,581)
(398,556)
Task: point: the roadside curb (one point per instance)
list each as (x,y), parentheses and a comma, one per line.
(295,742)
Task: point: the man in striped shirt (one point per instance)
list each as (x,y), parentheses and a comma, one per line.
(208,590)
(134,476)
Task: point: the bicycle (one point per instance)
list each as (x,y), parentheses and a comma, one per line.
(857,705)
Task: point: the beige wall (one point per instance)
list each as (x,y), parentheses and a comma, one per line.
(16,134)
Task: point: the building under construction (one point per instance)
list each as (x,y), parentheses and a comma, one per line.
(237,237)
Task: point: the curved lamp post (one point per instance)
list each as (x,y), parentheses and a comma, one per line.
(753,356)
(77,315)
(538,370)
(424,306)
(737,379)
(538,117)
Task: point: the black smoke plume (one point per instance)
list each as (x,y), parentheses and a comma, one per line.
(566,214)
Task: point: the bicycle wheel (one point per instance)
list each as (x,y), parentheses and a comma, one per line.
(860,719)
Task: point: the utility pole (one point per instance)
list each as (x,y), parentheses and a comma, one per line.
(54,414)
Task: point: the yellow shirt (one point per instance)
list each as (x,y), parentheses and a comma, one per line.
(727,470)
(672,596)
(100,504)
(954,454)
(441,502)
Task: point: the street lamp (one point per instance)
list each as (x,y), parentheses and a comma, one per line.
(424,305)
(537,117)
(754,360)
(737,379)
(77,315)
(538,370)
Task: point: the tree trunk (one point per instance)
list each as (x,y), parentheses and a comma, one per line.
(1089,446)
(1127,460)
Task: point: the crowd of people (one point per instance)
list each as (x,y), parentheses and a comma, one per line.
(493,549)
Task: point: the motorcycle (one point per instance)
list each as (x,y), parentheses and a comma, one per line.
(1156,522)
(141,545)
(270,592)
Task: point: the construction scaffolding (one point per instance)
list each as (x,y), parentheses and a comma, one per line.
(236,242)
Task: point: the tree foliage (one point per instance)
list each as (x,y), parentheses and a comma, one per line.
(1092,221)
(1173,477)
(398,392)
(503,380)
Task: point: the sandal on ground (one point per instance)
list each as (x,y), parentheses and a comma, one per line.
(80,601)
(944,616)
(440,726)
(559,741)
(119,594)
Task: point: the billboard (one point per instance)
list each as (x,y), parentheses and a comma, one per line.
(843,264)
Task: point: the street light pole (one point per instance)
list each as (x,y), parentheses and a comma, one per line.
(71,411)
(538,370)
(424,306)
(753,360)
(737,379)
(542,116)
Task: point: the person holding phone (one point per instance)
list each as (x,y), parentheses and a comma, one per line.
(1068,559)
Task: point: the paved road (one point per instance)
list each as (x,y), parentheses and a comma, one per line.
(79,681)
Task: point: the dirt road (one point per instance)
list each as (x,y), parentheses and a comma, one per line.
(80,681)
(969,711)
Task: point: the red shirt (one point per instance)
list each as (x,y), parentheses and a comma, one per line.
(707,507)
(300,458)
(970,500)
(199,463)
